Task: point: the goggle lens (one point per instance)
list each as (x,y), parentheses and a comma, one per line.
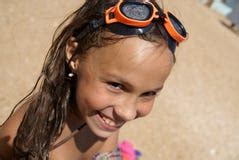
(177,25)
(137,11)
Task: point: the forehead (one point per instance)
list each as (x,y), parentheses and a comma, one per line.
(131,53)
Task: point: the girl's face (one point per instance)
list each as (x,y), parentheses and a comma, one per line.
(118,83)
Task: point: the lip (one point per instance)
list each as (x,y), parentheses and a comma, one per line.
(106,126)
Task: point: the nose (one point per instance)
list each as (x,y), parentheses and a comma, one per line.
(126,110)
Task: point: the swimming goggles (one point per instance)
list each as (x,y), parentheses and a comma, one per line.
(138,13)
(129,17)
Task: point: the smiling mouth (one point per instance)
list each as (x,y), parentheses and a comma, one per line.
(109,121)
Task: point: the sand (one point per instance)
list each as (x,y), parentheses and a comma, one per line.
(196,117)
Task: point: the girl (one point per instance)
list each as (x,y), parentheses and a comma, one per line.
(104,69)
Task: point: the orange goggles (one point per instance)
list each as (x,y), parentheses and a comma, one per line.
(141,13)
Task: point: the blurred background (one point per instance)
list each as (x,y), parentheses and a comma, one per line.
(196,116)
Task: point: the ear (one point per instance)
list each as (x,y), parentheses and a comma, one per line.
(71,47)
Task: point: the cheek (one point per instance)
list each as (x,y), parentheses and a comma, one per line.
(145,108)
(93,97)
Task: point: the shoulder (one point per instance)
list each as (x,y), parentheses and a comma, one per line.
(9,129)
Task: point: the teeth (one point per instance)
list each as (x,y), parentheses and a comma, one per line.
(112,123)
(108,121)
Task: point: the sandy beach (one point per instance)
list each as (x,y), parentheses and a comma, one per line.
(196,117)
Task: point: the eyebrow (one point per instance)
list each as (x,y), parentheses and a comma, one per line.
(129,85)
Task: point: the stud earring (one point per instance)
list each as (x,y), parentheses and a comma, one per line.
(71,76)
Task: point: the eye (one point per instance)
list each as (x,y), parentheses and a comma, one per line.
(149,94)
(115,85)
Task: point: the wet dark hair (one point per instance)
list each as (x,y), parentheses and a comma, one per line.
(52,95)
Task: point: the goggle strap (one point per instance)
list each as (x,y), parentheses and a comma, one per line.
(161,15)
(172,44)
(122,29)
(90,27)
(95,24)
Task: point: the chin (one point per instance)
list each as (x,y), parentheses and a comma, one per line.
(102,134)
